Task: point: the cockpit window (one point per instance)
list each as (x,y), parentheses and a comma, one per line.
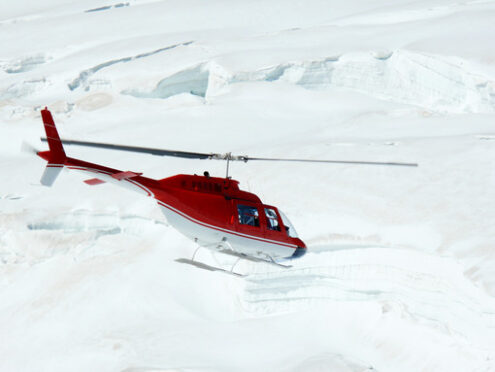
(271,220)
(248,215)
(291,231)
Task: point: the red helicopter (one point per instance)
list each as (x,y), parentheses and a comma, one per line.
(212,211)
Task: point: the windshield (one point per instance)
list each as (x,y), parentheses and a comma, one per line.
(291,231)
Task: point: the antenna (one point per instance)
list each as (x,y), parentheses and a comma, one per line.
(228,157)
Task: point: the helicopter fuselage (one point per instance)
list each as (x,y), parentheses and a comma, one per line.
(212,211)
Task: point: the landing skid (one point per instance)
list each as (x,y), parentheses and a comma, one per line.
(204,266)
(232,253)
(269,261)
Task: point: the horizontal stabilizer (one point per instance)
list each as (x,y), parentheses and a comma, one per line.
(94,182)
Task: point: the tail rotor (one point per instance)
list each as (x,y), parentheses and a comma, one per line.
(27,148)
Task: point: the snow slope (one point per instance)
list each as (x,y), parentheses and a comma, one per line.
(400,271)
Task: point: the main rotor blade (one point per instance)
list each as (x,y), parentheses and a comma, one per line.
(246,158)
(227,156)
(145,150)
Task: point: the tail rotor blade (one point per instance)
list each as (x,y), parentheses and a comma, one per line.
(28,148)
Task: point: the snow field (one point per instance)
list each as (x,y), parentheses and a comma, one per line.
(400,274)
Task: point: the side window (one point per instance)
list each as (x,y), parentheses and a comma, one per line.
(248,215)
(271,220)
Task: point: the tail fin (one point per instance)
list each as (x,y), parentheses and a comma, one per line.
(57,152)
(56,156)
(50,174)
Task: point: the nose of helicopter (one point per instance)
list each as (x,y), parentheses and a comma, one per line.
(299,252)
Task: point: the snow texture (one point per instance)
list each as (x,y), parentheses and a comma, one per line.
(400,274)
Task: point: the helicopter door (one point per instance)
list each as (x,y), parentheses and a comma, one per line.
(273,222)
(248,218)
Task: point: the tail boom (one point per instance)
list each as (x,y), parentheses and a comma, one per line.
(58,160)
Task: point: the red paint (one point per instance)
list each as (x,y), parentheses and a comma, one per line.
(94,181)
(57,153)
(124,175)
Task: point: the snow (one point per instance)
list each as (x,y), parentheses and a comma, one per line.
(400,271)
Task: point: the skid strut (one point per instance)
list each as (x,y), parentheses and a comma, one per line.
(204,266)
(230,252)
